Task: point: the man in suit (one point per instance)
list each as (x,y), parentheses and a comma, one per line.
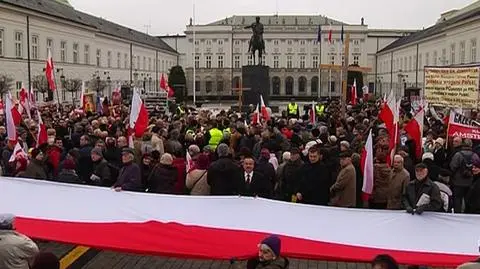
(254,183)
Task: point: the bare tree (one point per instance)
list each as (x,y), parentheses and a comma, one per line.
(73,86)
(97,85)
(6,84)
(40,83)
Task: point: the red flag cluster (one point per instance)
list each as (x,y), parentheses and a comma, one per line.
(265,115)
(389,114)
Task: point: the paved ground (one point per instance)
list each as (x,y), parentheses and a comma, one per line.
(75,258)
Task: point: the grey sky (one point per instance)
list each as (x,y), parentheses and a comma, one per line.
(171,18)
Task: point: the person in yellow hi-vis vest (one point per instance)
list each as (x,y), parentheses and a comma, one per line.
(292,110)
(320,109)
(214,136)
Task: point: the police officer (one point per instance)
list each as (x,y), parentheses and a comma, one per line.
(292,109)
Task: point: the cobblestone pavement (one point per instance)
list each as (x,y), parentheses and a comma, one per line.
(114,260)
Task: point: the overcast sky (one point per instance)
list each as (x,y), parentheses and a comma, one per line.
(170,17)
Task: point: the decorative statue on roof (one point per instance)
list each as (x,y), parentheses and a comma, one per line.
(256,41)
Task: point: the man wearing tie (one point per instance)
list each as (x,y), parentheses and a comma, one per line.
(254,184)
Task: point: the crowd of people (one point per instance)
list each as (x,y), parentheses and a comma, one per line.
(289,157)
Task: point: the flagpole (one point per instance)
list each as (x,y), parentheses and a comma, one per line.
(194,53)
(319,37)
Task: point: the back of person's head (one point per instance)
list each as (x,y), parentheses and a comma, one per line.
(46,260)
(384,261)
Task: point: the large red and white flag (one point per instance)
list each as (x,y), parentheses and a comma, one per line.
(18,152)
(263,107)
(172,226)
(11,127)
(42,136)
(353,93)
(256,116)
(138,116)
(415,129)
(367,168)
(50,72)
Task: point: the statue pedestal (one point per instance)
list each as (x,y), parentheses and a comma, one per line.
(256,81)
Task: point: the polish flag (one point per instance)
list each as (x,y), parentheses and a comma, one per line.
(389,115)
(353,93)
(42,136)
(163,83)
(170,91)
(313,115)
(256,116)
(367,168)
(265,114)
(82,97)
(171,226)
(11,128)
(16,114)
(49,72)
(415,129)
(18,152)
(25,102)
(138,115)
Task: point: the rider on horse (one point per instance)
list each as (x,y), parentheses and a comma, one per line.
(257,28)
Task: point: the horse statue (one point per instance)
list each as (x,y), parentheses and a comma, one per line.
(256,41)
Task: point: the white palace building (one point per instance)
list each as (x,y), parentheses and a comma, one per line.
(292,53)
(453,40)
(83,47)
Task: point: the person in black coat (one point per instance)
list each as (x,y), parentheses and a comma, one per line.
(315,181)
(224,177)
(254,183)
(163,177)
(130,176)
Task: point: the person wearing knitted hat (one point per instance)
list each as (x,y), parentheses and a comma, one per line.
(16,250)
(269,255)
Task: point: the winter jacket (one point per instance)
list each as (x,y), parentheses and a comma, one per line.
(397,187)
(101,170)
(457,167)
(423,190)
(197,183)
(382,176)
(69,176)
(16,250)
(344,191)
(224,177)
(34,170)
(162,179)
(130,178)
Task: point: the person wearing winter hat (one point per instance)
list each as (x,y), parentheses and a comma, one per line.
(269,251)
(16,250)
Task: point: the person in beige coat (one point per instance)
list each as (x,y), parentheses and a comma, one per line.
(17,251)
(196,180)
(398,184)
(344,191)
(382,175)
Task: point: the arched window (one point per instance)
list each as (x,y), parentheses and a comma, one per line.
(236,83)
(276,85)
(314,84)
(289,86)
(302,84)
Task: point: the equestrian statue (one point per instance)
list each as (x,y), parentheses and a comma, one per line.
(256,41)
